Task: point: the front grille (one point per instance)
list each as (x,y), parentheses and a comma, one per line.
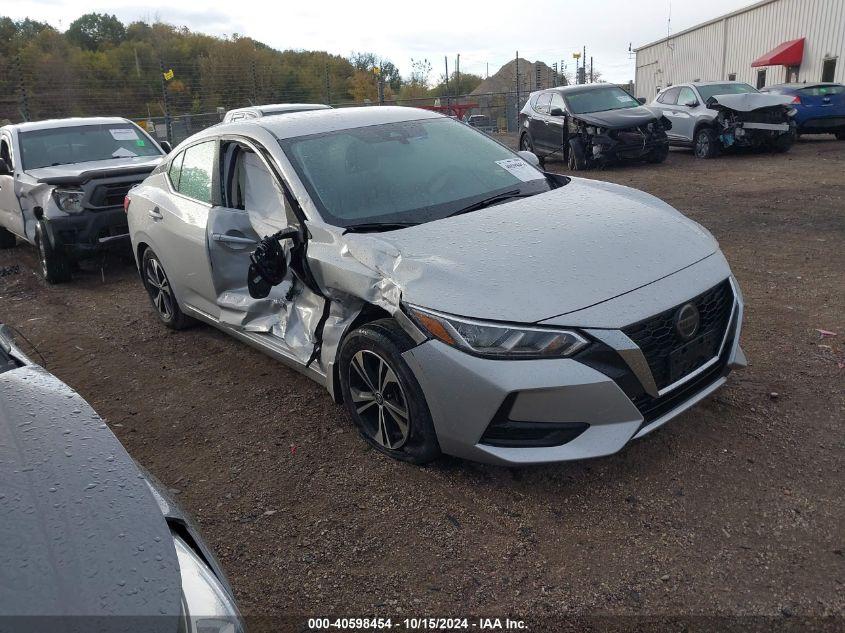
(764,115)
(652,408)
(657,337)
(110,195)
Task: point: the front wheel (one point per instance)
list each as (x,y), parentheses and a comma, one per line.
(54,266)
(7,239)
(783,143)
(658,155)
(382,396)
(577,159)
(161,294)
(706,143)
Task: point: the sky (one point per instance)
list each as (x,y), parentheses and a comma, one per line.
(485,34)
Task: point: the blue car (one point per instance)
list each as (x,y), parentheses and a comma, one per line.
(820,106)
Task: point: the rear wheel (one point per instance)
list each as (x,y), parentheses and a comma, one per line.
(382,396)
(526,144)
(161,293)
(53,263)
(706,144)
(7,239)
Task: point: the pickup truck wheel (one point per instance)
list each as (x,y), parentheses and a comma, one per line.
(576,161)
(7,239)
(706,143)
(161,293)
(54,266)
(382,396)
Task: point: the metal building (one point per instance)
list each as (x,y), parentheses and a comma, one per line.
(766,43)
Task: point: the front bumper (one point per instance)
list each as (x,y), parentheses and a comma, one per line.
(89,233)
(626,145)
(594,405)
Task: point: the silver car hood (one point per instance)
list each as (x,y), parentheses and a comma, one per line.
(78,170)
(538,257)
(748,101)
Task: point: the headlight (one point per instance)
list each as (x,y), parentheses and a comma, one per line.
(207,606)
(69,200)
(495,340)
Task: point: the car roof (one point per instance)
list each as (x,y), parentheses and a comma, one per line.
(576,88)
(798,86)
(69,122)
(281,107)
(326,120)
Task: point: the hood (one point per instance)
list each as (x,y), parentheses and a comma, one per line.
(81,533)
(619,119)
(538,257)
(748,101)
(78,173)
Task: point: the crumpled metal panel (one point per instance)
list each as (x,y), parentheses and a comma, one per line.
(748,101)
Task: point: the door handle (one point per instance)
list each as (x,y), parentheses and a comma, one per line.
(155,214)
(233,239)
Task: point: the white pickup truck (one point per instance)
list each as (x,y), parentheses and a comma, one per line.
(62,185)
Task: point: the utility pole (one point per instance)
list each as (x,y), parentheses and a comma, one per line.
(591,69)
(457,77)
(22,88)
(446,61)
(328,86)
(254,85)
(517,80)
(168,131)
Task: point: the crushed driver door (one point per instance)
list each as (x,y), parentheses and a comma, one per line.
(254,206)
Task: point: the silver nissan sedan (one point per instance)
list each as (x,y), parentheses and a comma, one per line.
(453,296)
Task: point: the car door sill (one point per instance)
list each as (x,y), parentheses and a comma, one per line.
(261,342)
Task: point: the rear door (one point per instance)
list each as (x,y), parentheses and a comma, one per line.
(179,221)
(11,215)
(683,123)
(667,102)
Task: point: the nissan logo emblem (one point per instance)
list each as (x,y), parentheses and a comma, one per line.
(687,321)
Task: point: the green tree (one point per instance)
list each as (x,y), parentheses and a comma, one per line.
(94,31)
(461,84)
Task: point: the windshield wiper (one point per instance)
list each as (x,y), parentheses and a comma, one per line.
(371,227)
(486,202)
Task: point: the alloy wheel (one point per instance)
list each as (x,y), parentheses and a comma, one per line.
(379,399)
(42,256)
(159,288)
(702,146)
(526,144)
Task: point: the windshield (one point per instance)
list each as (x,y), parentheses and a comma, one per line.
(82,143)
(600,100)
(723,89)
(406,172)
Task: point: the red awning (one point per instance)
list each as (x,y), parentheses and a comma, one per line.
(787,54)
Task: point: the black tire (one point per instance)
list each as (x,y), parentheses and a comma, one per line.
(53,263)
(658,155)
(161,294)
(783,143)
(526,144)
(840,135)
(576,159)
(7,239)
(706,145)
(371,351)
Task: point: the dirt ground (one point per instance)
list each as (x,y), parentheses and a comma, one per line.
(736,508)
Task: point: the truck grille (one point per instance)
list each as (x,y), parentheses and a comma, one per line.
(110,195)
(657,337)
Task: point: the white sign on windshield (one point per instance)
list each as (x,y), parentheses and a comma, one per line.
(124,134)
(520,169)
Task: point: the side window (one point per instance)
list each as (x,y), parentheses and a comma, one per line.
(542,104)
(686,96)
(6,153)
(175,170)
(196,172)
(557,102)
(670,97)
(250,186)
